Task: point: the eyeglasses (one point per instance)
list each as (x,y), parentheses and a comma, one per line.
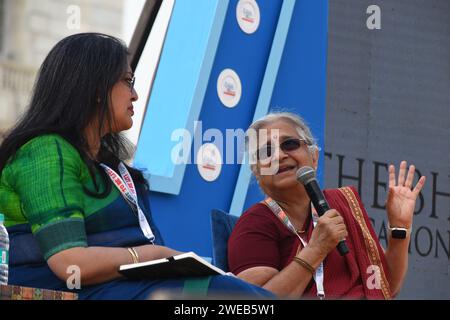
(130,82)
(287,145)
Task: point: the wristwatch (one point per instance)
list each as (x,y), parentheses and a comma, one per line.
(398,233)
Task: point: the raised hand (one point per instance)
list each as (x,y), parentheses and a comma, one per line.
(401,199)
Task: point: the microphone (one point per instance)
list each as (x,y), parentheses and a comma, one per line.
(307,177)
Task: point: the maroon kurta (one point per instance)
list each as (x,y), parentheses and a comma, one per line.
(261,239)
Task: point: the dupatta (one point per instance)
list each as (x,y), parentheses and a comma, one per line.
(366,255)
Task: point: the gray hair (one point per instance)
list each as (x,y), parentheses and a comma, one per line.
(292,118)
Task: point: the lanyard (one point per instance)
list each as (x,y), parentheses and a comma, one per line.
(279,212)
(128,191)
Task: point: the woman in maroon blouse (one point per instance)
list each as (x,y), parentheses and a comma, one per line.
(281,245)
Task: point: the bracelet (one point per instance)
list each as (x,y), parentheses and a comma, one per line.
(304,264)
(134,255)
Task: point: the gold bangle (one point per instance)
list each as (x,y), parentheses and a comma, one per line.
(134,255)
(304,264)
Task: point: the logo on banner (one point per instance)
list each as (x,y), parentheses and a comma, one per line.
(209,162)
(248,15)
(229,88)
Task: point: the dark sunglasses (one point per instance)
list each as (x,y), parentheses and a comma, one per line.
(287,145)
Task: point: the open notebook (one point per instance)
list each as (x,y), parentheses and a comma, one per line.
(183,265)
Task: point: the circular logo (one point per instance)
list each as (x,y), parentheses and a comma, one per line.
(209,162)
(229,88)
(248,15)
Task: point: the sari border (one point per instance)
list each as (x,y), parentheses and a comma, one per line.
(371,247)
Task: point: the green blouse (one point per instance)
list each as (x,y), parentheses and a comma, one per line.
(42,186)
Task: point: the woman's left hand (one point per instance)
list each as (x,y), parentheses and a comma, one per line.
(401,199)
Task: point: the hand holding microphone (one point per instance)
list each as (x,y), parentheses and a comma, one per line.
(334,225)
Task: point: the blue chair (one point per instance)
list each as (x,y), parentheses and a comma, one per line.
(222,223)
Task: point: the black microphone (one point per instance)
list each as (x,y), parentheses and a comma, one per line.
(307,177)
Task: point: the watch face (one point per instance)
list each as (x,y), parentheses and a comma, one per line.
(398,234)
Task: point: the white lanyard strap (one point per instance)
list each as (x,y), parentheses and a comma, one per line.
(128,191)
(319,274)
(279,212)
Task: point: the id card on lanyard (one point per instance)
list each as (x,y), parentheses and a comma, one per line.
(125,185)
(278,211)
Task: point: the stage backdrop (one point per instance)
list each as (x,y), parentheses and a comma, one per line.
(279,56)
(388,100)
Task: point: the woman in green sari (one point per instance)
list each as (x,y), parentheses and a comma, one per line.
(64,201)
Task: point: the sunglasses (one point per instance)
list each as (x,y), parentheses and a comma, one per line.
(287,145)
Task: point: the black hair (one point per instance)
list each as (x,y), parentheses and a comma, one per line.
(73,87)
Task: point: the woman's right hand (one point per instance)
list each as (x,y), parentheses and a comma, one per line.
(329,231)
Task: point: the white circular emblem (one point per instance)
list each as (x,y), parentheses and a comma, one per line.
(209,162)
(229,88)
(248,15)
